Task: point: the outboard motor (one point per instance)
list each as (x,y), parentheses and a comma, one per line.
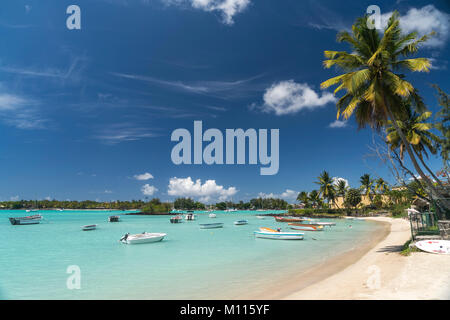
(124,238)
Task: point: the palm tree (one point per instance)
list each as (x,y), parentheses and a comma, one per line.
(341,188)
(418,135)
(326,188)
(381,186)
(314,197)
(303,198)
(374,92)
(367,185)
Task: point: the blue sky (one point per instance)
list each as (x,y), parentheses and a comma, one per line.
(84,112)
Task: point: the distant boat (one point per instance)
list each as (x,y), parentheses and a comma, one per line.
(212,215)
(28,210)
(279,235)
(189,216)
(289,219)
(89,227)
(240,222)
(231,210)
(325,223)
(144,237)
(59,209)
(176,219)
(114,218)
(305,227)
(211,225)
(260,217)
(34,219)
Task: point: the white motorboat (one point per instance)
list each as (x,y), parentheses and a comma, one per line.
(325,223)
(240,222)
(89,227)
(260,217)
(144,237)
(279,235)
(114,218)
(212,215)
(34,219)
(211,225)
(189,217)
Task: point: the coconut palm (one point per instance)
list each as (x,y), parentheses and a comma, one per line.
(303,198)
(314,197)
(326,188)
(341,188)
(374,91)
(367,185)
(417,133)
(381,186)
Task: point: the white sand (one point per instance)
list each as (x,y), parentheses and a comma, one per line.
(382,273)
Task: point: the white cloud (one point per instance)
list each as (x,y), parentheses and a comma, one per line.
(121,132)
(14,198)
(20,112)
(424,21)
(337,179)
(208,191)
(108,191)
(286,97)
(288,195)
(338,124)
(48,198)
(148,190)
(144,176)
(227,8)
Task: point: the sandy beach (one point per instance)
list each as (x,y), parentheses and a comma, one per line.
(381,272)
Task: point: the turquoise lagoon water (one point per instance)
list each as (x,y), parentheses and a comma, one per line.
(190,263)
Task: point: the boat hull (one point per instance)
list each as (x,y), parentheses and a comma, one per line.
(279,235)
(89,228)
(305,227)
(241,222)
(283,219)
(36,219)
(211,225)
(144,238)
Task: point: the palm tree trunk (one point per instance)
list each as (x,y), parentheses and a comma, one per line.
(434,192)
(428,169)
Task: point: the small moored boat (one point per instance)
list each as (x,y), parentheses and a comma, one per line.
(114,218)
(260,217)
(305,227)
(279,235)
(189,217)
(240,222)
(34,219)
(144,237)
(89,227)
(289,219)
(325,223)
(211,225)
(176,219)
(212,215)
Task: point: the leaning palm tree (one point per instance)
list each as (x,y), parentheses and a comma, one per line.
(367,185)
(381,186)
(418,134)
(374,91)
(326,188)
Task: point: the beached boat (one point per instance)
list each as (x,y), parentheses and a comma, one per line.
(212,215)
(189,217)
(211,225)
(34,219)
(434,246)
(144,237)
(279,235)
(114,218)
(305,227)
(240,222)
(89,227)
(176,219)
(288,219)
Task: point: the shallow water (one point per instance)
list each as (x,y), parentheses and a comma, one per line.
(190,263)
